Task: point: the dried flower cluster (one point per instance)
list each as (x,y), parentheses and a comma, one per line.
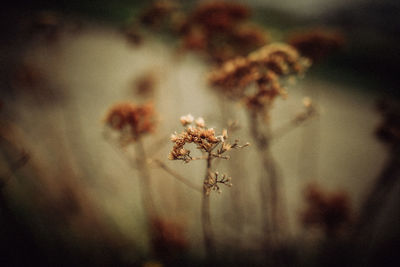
(208,143)
(214,180)
(317,43)
(264,68)
(218,30)
(329,211)
(204,138)
(131,120)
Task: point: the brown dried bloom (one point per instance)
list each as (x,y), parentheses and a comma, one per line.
(132,120)
(264,68)
(329,211)
(217,30)
(219,15)
(317,43)
(204,138)
(214,180)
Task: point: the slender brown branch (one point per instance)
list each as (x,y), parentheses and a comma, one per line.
(145,180)
(268,184)
(208,234)
(176,175)
(299,120)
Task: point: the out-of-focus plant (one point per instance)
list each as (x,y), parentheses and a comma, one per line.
(318,43)
(131,123)
(220,30)
(257,80)
(328,211)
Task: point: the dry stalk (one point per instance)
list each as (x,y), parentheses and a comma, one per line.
(179,177)
(270,195)
(212,147)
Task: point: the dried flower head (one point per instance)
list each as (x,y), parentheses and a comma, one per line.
(131,120)
(317,43)
(187,119)
(219,15)
(264,68)
(218,30)
(329,211)
(214,180)
(204,138)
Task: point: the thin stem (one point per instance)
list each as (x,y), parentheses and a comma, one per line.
(288,127)
(269,184)
(145,180)
(177,176)
(205,214)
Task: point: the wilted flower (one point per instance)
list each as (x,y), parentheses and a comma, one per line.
(214,180)
(218,30)
(329,211)
(204,138)
(188,119)
(317,43)
(133,120)
(264,68)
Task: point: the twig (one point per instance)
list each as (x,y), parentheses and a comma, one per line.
(176,175)
(145,180)
(268,185)
(300,119)
(205,214)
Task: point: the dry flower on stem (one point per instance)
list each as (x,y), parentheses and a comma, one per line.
(218,29)
(317,43)
(212,147)
(388,132)
(256,81)
(328,211)
(132,122)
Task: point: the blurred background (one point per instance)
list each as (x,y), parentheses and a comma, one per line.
(70,195)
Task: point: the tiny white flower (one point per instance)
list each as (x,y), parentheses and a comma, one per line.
(200,122)
(185,120)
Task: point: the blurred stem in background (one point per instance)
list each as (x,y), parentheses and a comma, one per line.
(269,184)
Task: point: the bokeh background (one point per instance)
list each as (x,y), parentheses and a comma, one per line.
(76,199)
